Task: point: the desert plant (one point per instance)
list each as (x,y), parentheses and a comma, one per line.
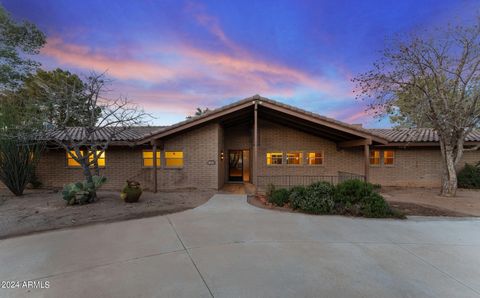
(469,176)
(131,192)
(318,198)
(279,197)
(82,192)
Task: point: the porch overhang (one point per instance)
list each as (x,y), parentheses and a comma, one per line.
(345,135)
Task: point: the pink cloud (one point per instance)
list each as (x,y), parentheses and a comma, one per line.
(186,76)
(86,58)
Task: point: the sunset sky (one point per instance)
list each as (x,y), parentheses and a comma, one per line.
(173,56)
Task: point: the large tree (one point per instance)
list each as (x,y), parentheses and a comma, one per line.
(38,88)
(17,42)
(19,121)
(431,80)
(103,121)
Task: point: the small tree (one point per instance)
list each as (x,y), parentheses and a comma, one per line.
(431,82)
(104,119)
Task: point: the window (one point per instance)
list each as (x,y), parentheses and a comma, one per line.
(100,159)
(147,156)
(72,163)
(174,159)
(274,158)
(294,158)
(388,157)
(375,157)
(315,158)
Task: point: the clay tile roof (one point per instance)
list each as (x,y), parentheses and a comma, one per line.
(130,134)
(418,135)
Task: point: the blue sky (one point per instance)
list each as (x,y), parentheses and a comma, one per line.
(173,56)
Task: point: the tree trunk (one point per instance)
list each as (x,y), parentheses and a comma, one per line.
(89,178)
(449,177)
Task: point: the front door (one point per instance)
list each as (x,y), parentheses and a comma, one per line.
(235,165)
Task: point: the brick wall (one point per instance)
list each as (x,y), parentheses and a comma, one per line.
(203,167)
(416,167)
(277,138)
(199,146)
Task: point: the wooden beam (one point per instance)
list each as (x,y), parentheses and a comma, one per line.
(311,129)
(159,143)
(255,145)
(324,122)
(355,143)
(366,151)
(420,144)
(154,151)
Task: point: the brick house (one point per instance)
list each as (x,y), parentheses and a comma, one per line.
(261,141)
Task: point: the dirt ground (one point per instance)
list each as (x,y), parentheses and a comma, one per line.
(427,202)
(41,210)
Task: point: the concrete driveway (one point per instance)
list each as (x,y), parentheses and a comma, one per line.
(227,248)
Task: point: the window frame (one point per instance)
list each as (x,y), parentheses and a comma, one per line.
(379,158)
(300,157)
(274,152)
(315,165)
(159,159)
(166,166)
(69,157)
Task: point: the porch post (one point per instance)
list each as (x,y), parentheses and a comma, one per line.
(154,151)
(366,151)
(255,145)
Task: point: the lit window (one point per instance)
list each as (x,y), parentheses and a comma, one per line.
(174,159)
(100,159)
(315,158)
(274,158)
(388,157)
(294,158)
(375,157)
(148,158)
(71,162)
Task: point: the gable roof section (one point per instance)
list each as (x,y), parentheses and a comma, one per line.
(271,104)
(418,135)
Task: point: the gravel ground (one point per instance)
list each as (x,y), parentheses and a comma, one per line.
(42,210)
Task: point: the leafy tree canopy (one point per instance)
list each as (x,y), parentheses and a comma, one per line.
(17,42)
(67,87)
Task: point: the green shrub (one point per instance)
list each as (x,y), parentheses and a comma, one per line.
(318,198)
(352,191)
(297,194)
(374,205)
(279,197)
(270,190)
(469,176)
